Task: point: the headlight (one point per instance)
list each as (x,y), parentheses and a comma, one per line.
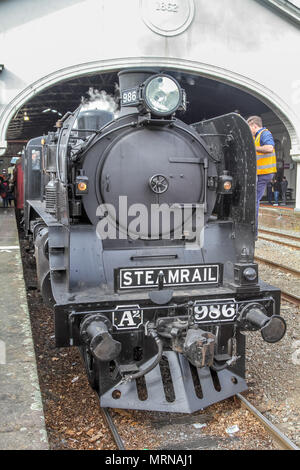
(250,274)
(225,183)
(162,95)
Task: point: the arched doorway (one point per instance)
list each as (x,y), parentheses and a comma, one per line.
(266,96)
(222,79)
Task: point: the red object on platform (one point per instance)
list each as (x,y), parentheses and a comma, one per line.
(19,185)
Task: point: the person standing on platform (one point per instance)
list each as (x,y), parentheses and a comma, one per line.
(276,186)
(10,171)
(4,187)
(265,157)
(1,181)
(10,193)
(284,185)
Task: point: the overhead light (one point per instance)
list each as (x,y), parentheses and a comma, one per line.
(25,117)
(191,81)
(49,110)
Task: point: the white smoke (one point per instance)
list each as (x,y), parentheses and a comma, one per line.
(101,100)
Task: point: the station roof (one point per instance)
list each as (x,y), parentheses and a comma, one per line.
(206,98)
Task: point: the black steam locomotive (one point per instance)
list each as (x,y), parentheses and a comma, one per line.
(157,303)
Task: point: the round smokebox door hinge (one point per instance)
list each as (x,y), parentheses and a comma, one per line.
(158,184)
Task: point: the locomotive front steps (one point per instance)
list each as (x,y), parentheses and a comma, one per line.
(213,387)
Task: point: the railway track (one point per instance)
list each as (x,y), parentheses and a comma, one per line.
(112,428)
(280,235)
(290,297)
(280,242)
(279,238)
(283,441)
(280,266)
(294,299)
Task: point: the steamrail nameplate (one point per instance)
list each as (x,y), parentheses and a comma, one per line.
(173,276)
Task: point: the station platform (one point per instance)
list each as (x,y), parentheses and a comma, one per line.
(22,423)
(279,217)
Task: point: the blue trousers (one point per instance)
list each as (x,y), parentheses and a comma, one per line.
(5,201)
(261,183)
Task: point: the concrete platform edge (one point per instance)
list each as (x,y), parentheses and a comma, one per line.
(22,424)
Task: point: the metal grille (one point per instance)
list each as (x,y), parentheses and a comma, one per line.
(51,199)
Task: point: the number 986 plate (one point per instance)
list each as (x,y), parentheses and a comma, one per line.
(208,312)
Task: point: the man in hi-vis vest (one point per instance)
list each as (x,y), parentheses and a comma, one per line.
(265,157)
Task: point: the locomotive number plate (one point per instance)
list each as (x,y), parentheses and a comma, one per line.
(181,276)
(222,311)
(130,96)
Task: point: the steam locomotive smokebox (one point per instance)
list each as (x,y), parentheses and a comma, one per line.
(93,119)
(133,78)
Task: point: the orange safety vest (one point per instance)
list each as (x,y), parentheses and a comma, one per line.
(266,162)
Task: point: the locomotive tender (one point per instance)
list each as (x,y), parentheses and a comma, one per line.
(160,320)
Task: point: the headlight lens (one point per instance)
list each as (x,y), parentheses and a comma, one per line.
(249,274)
(227,185)
(162,95)
(81,186)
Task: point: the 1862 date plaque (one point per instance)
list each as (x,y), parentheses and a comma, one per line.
(167,18)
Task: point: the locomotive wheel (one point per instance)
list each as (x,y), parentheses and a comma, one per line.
(91,368)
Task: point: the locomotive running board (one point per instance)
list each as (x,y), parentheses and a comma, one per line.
(186,401)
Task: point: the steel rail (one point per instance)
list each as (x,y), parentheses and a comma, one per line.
(282,267)
(294,299)
(283,440)
(112,427)
(279,242)
(280,235)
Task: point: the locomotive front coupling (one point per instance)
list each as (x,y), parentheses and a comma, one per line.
(94,332)
(253,317)
(198,347)
(195,344)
